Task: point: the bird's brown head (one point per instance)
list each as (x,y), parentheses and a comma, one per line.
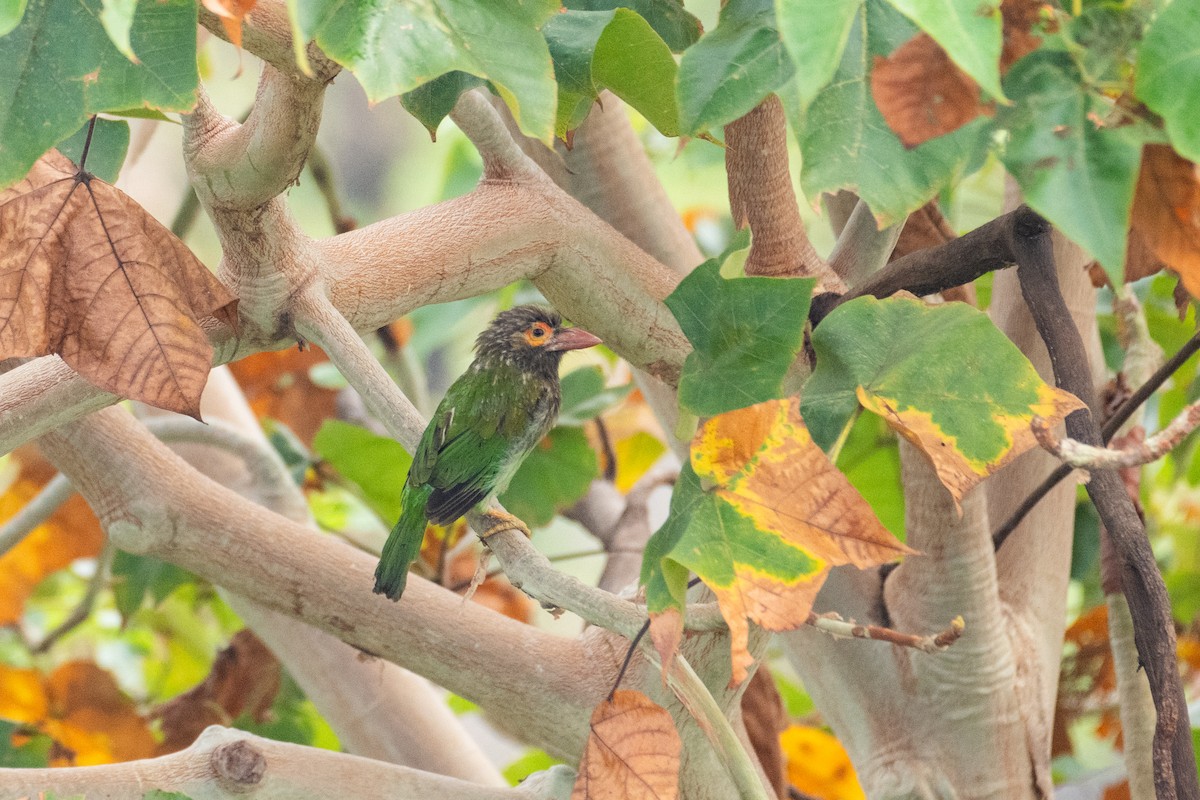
(532,338)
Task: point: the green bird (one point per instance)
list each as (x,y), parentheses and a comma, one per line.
(489,420)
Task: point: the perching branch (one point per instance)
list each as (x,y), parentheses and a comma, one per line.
(1174,760)
(35,512)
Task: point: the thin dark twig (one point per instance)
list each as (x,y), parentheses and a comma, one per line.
(610,454)
(1111,426)
(633,646)
(87,143)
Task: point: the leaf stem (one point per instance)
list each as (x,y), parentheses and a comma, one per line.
(87,143)
(836,449)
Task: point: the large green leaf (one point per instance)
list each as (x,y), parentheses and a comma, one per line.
(943,376)
(846,144)
(392,48)
(815,33)
(584,396)
(1168,73)
(733,67)
(615,50)
(762,540)
(1079,175)
(746,333)
(552,477)
(60,67)
(136,577)
(377,464)
(669,19)
(969,32)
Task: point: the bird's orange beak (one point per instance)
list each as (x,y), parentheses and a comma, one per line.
(572,339)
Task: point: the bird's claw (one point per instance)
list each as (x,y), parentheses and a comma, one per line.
(503,521)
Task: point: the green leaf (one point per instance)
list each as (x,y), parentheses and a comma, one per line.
(432,102)
(615,50)
(136,576)
(110,143)
(815,34)
(746,333)
(584,396)
(552,477)
(62,68)
(944,376)
(969,32)
(35,752)
(11,12)
(846,144)
(392,48)
(376,464)
(870,460)
(117,19)
(533,761)
(669,19)
(1168,73)
(1079,176)
(732,68)
(159,794)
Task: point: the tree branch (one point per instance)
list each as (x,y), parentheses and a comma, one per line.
(1175,765)
(231,763)
(1081,456)
(862,248)
(35,512)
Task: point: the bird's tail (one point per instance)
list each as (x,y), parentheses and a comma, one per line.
(403,544)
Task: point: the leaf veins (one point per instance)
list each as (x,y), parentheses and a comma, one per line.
(632,752)
(89,275)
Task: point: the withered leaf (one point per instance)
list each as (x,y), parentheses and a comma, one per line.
(922,93)
(1019,40)
(244,680)
(89,275)
(1165,218)
(231,12)
(926,227)
(632,752)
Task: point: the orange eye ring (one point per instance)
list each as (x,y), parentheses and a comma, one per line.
(537,334)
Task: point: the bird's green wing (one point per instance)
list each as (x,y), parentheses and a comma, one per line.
(466,472)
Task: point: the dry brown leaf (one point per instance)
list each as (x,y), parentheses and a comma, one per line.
(766,719)
(82,709)
(231,12)
(277,385)
(244,679)
(666,632)
(926,227)
(1019,18)
(632,752)
(922,93)
(1087,679)
(1118,791)
(71,532)
(89,275)
(1165,218)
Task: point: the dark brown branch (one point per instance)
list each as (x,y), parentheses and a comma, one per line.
(1154,631)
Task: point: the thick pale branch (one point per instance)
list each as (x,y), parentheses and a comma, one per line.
(503,159)
(225,763)
(151,502)
(862,248)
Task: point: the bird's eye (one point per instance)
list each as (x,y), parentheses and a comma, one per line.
(537,333)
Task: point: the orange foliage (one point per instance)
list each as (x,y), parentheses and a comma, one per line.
(82,709)
(71,532)
(818,765)
(277,385)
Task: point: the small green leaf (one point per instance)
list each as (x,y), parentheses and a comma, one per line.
(669,19)
(584,396)
(552,477)
(35,752)
(815,34)
(432,102)
(969,32)
(746,333)
(844,140)
(1168,73)
(944,376)
(70,69)
(615,50)
(117,19)
(393,48)
(376,464)
(136,576)
(1080,176)
(11,12)
(732,68)
(526,765)
(110,143)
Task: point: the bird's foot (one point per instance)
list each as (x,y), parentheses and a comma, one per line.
(502,521)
